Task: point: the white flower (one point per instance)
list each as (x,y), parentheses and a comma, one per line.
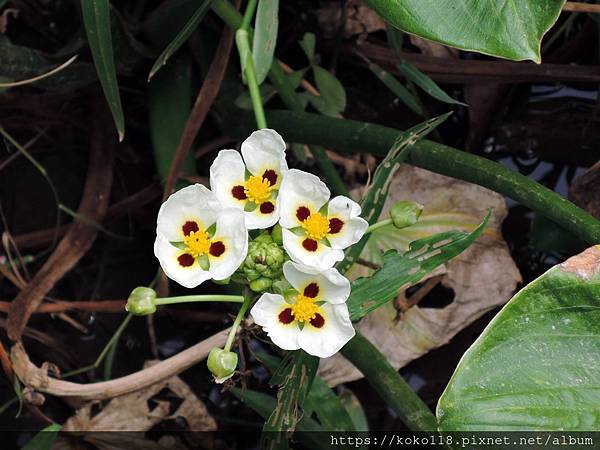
(316,319)
(316,232)
(256,194)
(196,239)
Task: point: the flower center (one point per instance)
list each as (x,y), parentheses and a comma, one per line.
(197,243)
(257,189)
(304,309)
(316,226)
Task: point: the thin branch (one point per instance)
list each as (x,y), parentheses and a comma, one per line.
(581,7)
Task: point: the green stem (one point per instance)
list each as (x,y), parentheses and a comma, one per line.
(376,226)
(388,383)
(355,136)
(288,95)
(241,39)
(241,313)
(199,298)
(248,14)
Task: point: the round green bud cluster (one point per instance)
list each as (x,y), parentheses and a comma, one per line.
(141,301)
(222,364)
(264,263)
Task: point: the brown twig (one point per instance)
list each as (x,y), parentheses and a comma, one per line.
(80,236)
(581,7)
(308,87)
(106,306)
(38,378)
(206,97)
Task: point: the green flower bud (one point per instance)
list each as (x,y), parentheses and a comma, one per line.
(141,301)
(263,264)
(405,213)
(261,284)
(277,234)
(222,364)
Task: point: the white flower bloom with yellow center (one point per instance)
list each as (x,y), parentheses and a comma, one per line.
(252,184)
(196,239)
(315,319)
(316,230)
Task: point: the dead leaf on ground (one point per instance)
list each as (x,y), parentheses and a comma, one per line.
(482,278)
(359,19)
(585,191)
(138,411)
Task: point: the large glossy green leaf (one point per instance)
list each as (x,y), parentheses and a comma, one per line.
(509,29)
(96,18)
(181,37)
(537,364)
(401,270)
(265,37)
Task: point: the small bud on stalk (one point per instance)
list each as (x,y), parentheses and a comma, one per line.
(222,364)
(141,301)
(405,213)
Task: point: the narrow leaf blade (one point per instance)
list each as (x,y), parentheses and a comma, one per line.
(426,83)
(96,19)
(265,37)
(181,37)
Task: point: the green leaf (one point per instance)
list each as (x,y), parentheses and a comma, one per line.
(395,39)
(401,270)
(321,399)
(265,37)
(297,76)
(333,96)
(426,83)
(355,410)
(263,404)
(396,87)
(536,366)
(373,201)
(96,18)
(169,105)
(308,44)
(44,440)
(508,29)
(181,37)
(295,377)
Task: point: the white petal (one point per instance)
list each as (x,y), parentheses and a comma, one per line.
(332,336)
(167,255)
(298,189)
(333,287)
(354,226)
(266,314)
(323,258)
(265,150)
(194,203)
(226,172)
(259,220)
(231,230)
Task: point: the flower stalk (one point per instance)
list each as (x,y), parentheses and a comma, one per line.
(247,299)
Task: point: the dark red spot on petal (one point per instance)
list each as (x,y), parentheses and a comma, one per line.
(217,248)
(238,192)
(312,290)
(286,316)
(271,176)
(267,207)
(335,225)
(185,260)
(302,213)
(310,244)
(189,226)
(318,321)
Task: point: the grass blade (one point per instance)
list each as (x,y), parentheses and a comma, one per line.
(265,37)
(96,19)
(426,83)
(181,37)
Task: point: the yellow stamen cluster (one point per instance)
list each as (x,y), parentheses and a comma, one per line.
(257,189)
(304,309)
(316,226)
(197,243)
